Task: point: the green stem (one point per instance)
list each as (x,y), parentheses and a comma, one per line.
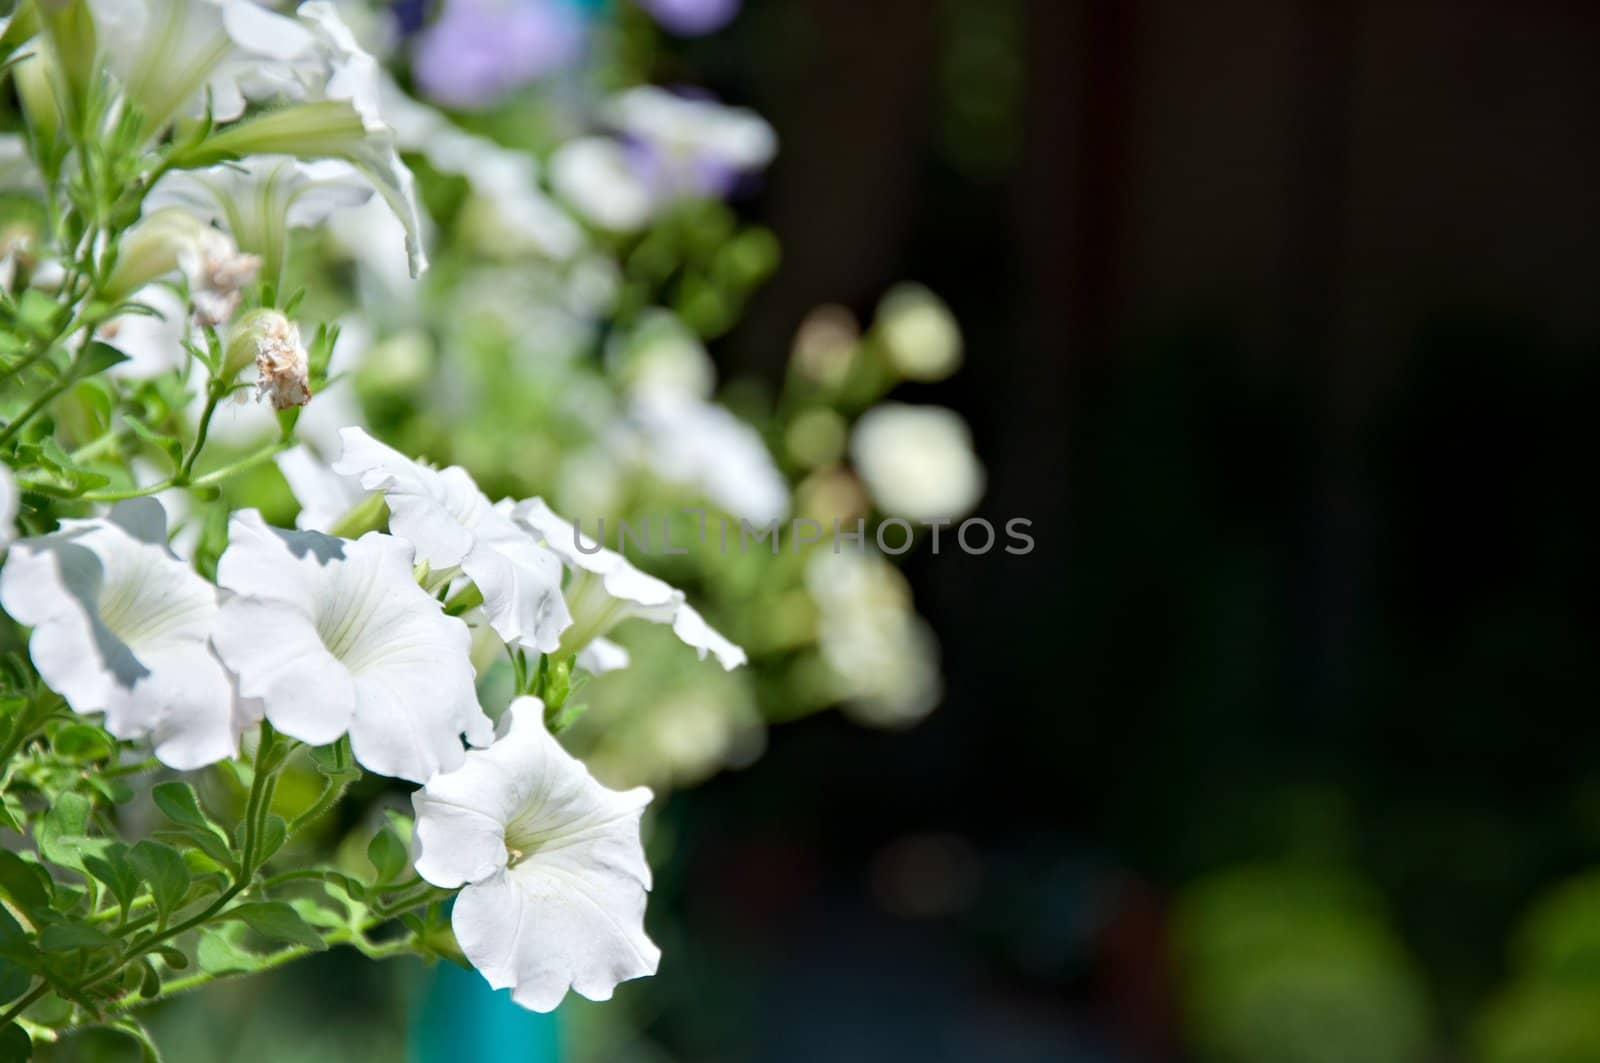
(215,476)
(213,395)
(22,1005)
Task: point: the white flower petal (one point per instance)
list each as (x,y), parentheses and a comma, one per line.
(689,440)
(323,494)
(334,635)
(10,503)
(602,656)
(453,524)
(556,876)
(120,627)
(607,589)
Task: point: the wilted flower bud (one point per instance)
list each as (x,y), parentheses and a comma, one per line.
(172,239)
(273,341)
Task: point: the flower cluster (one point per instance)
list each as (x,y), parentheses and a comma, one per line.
(220,344)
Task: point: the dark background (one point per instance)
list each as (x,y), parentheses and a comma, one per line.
(1281,327)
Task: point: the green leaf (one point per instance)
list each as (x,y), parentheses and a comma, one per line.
(81,741)
(59,937)
(210,847)
(220,953)
(25,883)
(149,981)
(14,980)
(117,872)
(164,871)
(15,1045)
(179,803)
(273,834)
(63,833)
(97,357)
(278,921)
(388,856)
(173,957)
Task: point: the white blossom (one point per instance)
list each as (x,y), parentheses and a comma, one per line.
(883,656)
(607,589)
(554,873)
(602,656)
(917,461)
(120,626)
(455,526)
(689,440)
(335,637)
(260,197)
(594,177)
(920,335)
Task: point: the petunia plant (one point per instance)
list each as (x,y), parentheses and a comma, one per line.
(173,660)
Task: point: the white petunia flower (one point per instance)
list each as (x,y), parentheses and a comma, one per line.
(120,627)
(607,589)
(259,198)
(555,874)
(339,117)
(917,461)
(178,56)
(334,636)
(454,526)
(593,175)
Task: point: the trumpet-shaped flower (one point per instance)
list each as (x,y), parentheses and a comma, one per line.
(169,239)
(607,589)
(176,56)
(454,526)
(120,627)
(260,198)
(340,118)
(323,494)
(555,874)
(335,637)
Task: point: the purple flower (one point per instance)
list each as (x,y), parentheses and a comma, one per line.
(480,50)
(691,18)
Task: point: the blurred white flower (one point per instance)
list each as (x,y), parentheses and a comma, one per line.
(607,589)
(506,179)
(120,626)
(689,146)
(594,176)
(334,636)
(453,525)
(690,441)
(153,342)
(917,461)
(555,874)
(660,354)
(883,656)
(919,333)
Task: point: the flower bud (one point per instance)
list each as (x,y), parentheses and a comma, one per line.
(36,76)
(172,239)
(920,337)
(70,27)
(272,341)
